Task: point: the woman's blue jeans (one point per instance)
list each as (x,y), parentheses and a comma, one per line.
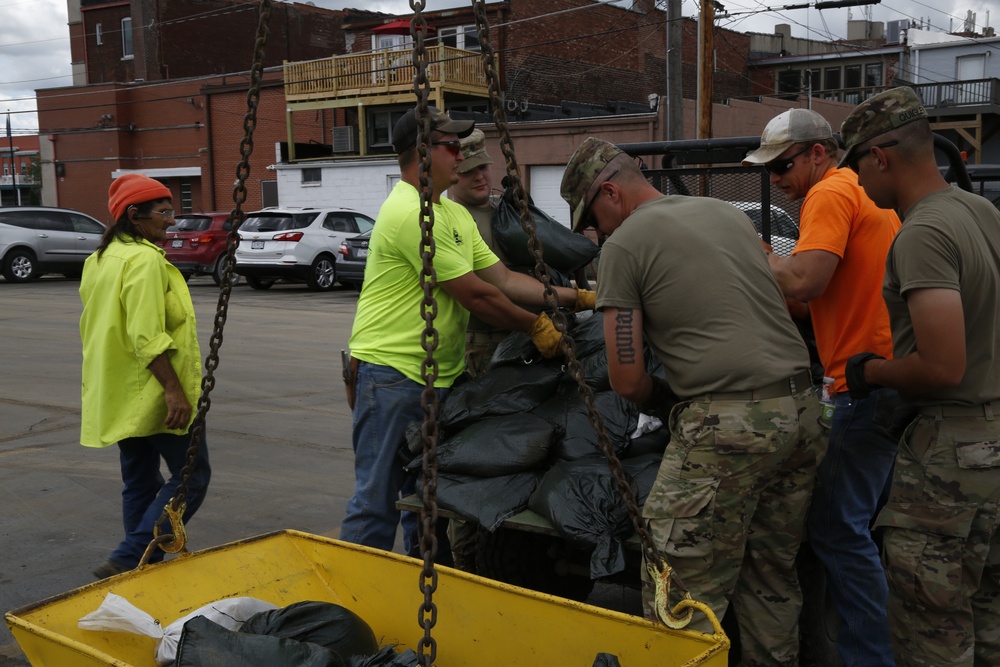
(852,484)
(386,403)
(146,493)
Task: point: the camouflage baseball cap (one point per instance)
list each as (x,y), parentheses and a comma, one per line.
(474,152)
(593,163)
(794,126)
(404,132)
(877,115)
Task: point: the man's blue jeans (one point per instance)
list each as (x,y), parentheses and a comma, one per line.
(852,484)
(386,403)
(146,494)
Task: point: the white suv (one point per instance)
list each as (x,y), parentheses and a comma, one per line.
(295,244)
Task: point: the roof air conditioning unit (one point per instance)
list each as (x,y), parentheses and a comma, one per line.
(345,139)
(896,31)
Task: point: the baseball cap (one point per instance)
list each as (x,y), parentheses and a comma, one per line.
(474,152)
(404,132)
(877,115)
(593,163)
(785,130)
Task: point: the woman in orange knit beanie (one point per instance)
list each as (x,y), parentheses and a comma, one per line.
(141,364)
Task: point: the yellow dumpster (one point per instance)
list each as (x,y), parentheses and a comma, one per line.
(480,623)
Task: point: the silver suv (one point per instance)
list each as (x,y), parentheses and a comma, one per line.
(295,244)
(35,240)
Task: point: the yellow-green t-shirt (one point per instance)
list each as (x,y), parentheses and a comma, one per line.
(389,320)
(136,305)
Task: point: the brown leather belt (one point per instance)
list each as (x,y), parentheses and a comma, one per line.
(787,387)
(942,411)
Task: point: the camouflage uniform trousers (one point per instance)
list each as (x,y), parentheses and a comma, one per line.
(942,543)
(479,349)
(728,511)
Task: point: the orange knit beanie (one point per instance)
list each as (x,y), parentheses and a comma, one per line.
(134,189)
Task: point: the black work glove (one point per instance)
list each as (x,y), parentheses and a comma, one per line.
(660,402)
(857,386)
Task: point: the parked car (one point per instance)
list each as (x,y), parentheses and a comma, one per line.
(784,231)
(196,244)
(352,260)
(35,240)
(295,244)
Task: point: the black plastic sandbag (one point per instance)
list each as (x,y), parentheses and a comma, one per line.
(494,446)
(387,657)
(582,501)
(606,660)
(204,643)
(329,625)
(504,391)
(568,412)
(486,500)
(561,248)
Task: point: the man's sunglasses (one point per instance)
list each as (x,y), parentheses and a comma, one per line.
(855,160)
(782,165)
(454,146)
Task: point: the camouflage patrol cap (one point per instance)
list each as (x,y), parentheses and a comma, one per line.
(877,115)
(593,163)
(474,152)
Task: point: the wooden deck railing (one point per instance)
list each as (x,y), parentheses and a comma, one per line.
(378,72)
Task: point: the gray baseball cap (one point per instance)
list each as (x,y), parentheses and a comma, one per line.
(877,115)
(404,132)
(794,126)
(474,152)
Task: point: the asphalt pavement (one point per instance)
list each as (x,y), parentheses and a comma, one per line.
(279,435)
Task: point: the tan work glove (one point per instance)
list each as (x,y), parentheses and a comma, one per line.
(585,300)
(545,336)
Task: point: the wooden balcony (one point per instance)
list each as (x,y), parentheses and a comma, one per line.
(342,80)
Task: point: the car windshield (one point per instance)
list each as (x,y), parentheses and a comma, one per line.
(197,224)
(277,222)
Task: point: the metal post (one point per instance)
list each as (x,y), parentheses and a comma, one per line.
(675,88)
(13,167)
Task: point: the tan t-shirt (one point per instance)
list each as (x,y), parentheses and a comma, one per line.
(711,309)
(951,239)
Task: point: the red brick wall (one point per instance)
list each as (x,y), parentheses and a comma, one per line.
(104,61)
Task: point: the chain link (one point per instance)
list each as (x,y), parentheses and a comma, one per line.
(427,614)
(575,371)
(237,217)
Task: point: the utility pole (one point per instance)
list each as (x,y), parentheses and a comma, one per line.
(674,129)
(13,168)
(706,59)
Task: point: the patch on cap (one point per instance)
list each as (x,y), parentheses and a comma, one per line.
(474,152)
(877,115)
(588,163)
(794,126)
(404,132)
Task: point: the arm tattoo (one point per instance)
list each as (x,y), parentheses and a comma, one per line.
(623,337)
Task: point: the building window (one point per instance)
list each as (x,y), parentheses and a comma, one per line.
(852,76)
(811,80)
(99,34)
(461,37)
(380,125)
(788,81)
(873,75)
(831,78)
(127,51)
(312,176)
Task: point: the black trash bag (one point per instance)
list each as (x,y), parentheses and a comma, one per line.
(595,371)
(504,391)
(606,660)
(494,446)
(329,625)
(587,330)
(561,248)
(387,657)
(651,442)
(567,411)
(487,501)
(204,643)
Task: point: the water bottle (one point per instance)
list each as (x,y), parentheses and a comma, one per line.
(826,403)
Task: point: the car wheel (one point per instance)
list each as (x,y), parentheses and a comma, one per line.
(322,275)
(260,283)
(220,268)
(20,266)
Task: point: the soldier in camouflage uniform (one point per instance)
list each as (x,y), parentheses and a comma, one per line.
(688,277)
(942,290)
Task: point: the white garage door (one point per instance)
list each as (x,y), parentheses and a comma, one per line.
(545,182)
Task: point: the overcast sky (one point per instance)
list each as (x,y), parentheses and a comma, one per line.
(34,38)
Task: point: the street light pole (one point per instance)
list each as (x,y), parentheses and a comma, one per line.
(13,168)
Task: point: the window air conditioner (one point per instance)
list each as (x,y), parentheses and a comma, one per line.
(345,139)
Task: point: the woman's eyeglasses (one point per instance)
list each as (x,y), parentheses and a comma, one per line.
(781,166)
(166,215)
(454,146)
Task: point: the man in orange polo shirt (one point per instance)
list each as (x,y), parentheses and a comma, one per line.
(837,268)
